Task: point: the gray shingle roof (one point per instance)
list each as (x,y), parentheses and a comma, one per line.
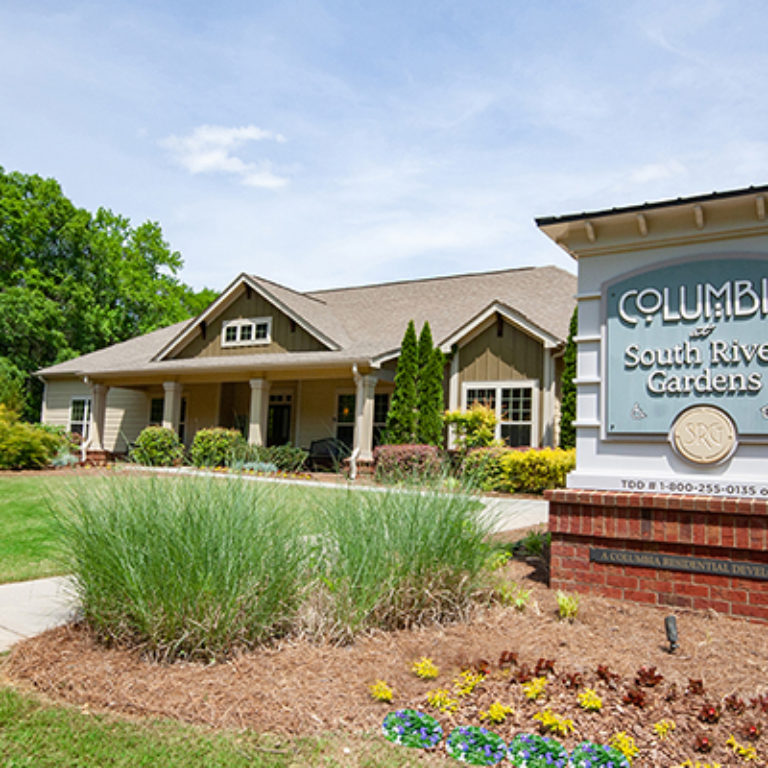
(364,321)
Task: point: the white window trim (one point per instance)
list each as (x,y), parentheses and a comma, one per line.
(87,416)
(532,384)
(241,323)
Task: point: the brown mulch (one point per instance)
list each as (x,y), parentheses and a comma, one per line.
(301,688)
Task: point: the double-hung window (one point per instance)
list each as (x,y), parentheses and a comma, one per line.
(246,332)
(80,417)
(515,406)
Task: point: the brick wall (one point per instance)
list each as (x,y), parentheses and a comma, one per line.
(700,526)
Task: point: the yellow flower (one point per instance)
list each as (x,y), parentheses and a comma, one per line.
(497,713)
(552,722)
(466,682)
(424,668)
(535,688)
(381,691)
(440,699)
(589,700)
(625,744)
(663,727)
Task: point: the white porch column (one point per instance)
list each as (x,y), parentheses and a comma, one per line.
(548,398)
(364,399)
(257,426)
(172,405)
(98,415)
(454,401)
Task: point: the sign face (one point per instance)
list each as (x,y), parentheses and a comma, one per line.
(708,565)
(687,355)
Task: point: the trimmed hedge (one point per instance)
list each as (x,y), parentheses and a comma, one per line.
(157,447)
(410,461)
(525,471)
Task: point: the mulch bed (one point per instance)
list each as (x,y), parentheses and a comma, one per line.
(301,688)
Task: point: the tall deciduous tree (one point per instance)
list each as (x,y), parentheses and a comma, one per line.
(568,388)
(401,419)
(72,282)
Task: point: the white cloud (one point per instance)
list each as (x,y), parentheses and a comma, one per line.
(211,148)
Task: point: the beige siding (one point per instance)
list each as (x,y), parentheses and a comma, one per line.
(202,407)
(513,356)
(318,409)
(287,336)
(126,415)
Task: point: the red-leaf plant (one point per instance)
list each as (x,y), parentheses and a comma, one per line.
(648,677)
(709,713)
(636,697)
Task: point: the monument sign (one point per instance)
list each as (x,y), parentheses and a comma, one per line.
(669,499)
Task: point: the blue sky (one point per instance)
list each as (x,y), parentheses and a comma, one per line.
(325,143)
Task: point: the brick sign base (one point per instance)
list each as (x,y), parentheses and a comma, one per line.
(713,537)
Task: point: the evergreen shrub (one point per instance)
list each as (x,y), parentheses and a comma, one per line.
(217,447)
(157,447)
(26,446)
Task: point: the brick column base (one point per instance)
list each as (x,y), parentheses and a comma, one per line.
(725,529)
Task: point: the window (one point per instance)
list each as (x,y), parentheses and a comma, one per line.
(156,410)
(380,411)
(345,419)
(515,406)
(80,417)
(251,331)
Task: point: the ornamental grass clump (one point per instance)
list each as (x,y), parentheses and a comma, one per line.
(183,568)
(396,560)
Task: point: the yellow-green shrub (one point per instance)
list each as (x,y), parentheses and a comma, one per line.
(25,446)
(511,471)
(534,471)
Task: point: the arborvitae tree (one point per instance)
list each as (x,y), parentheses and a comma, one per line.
(401,419)
(568,388)
(426,346)
(431,400)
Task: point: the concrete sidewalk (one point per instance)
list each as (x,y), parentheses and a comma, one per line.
(30,607)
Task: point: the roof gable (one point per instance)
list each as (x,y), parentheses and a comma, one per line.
(242,284)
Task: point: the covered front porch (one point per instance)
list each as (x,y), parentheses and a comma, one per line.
(280,407)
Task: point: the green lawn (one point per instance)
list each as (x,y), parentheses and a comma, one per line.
(44,736)
(27,548)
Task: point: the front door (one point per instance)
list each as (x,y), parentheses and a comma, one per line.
(279,420)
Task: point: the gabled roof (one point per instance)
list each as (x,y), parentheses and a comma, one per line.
(359,324)
(309,314)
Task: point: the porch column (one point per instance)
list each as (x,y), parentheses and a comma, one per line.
(454,400)
(172,405)
(257,426)
(364,399)
(98,414)
(548,400)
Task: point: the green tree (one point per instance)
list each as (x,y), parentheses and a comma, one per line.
(72,282)
(401,418)
(568,388)
(429,390)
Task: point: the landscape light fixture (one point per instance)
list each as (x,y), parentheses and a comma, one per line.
(670,625)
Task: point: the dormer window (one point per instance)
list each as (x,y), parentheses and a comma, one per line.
(247,332)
